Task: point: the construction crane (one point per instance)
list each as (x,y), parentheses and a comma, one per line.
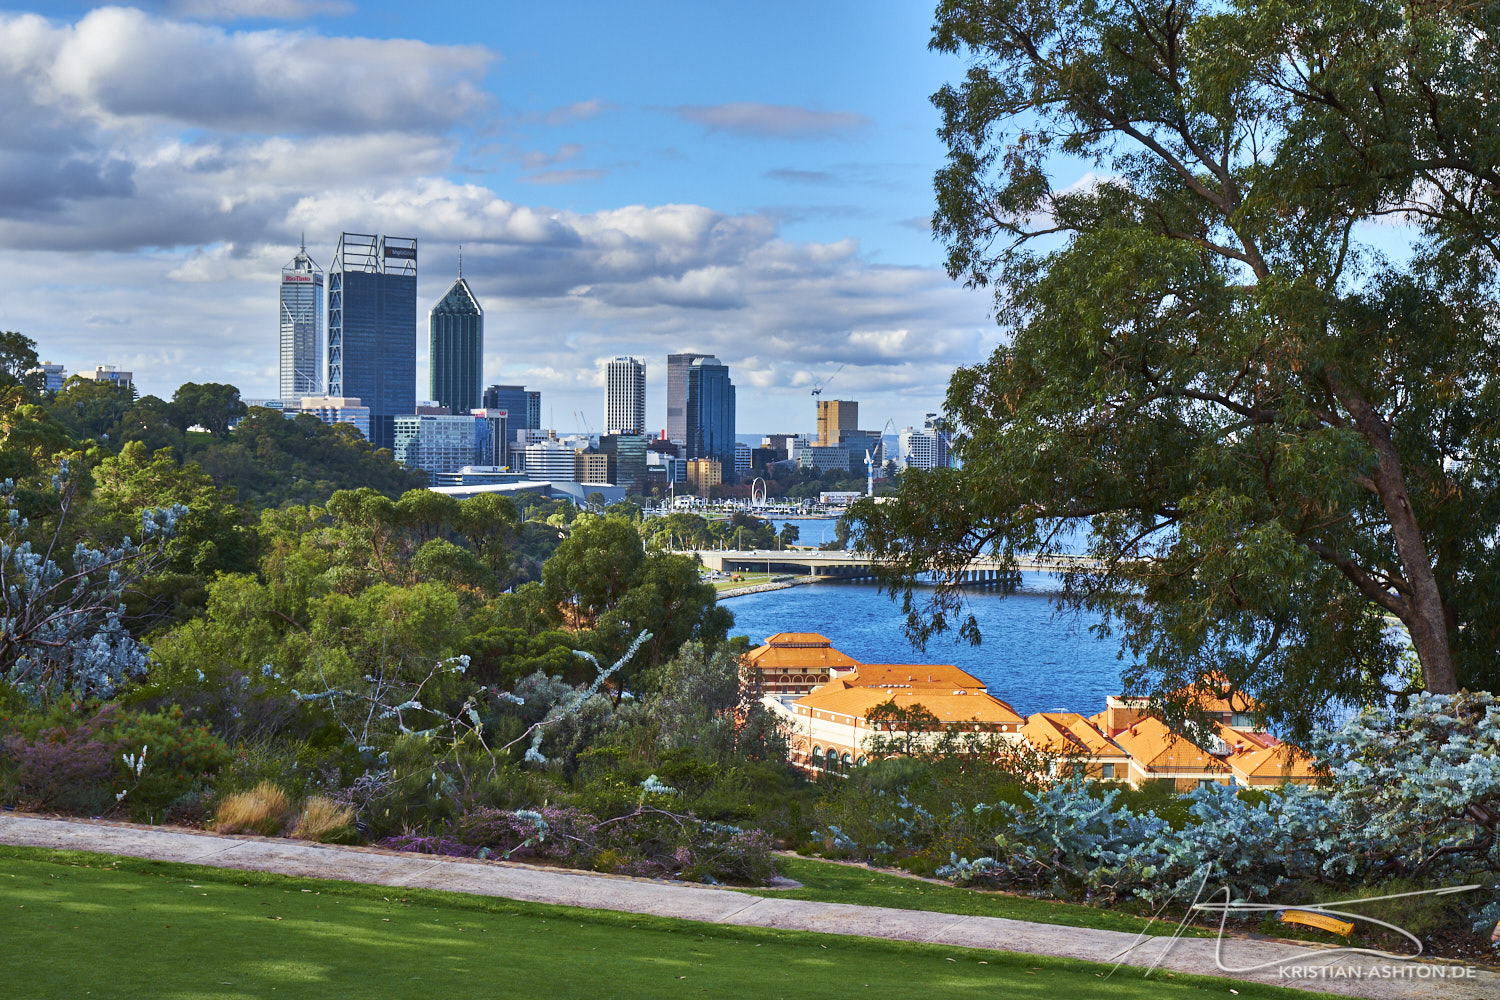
(583,420)
(821,384)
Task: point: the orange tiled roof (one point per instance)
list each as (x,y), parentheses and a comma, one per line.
(857,701)
(915,676)
(798,639)
(1065,731)
(1209,697)
(1154,747)
(799,657)
(1281,760)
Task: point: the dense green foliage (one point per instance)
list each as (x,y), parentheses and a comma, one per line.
(271,461)
(1273,435)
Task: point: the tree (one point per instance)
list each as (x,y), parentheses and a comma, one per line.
(272,461)
(897,730)
(1273,436)
(593,568)
(61,633)
(210,405)
(91,409)
(18,362)
(150,422)
(669,599)
(209,538)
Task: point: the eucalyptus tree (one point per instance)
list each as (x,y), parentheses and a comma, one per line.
(1252,353)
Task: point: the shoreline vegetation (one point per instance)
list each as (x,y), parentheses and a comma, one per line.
(761,588)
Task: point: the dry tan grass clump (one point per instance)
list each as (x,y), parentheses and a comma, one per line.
(324,821)
(264,809)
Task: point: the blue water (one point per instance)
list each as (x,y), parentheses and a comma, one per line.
(810,530)
(1033,657)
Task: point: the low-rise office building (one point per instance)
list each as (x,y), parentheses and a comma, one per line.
(338,410)
(703,474)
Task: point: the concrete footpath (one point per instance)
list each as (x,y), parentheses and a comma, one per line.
(1272,962)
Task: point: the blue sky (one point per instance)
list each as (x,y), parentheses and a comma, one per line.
(751,180)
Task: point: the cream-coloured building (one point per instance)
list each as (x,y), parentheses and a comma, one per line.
(1231,756)
(794,663)
(1078,746)
(832,730)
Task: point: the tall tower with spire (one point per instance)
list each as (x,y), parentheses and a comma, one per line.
(455,354)
(301,327)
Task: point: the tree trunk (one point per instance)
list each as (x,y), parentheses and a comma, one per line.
(1421,610)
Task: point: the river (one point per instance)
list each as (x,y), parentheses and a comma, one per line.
(1033,657)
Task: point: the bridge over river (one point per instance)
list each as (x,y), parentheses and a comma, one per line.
(853,565)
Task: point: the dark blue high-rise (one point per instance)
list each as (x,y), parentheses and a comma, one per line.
(523,405)
(455,353)
(372,328)
(710,413)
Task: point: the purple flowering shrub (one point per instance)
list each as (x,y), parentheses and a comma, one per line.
(421,843)
(60,769)
(74,763)
(649,843)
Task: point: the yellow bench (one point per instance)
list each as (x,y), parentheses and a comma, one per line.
(1322,921)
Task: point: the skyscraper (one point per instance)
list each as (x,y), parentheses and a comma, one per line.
(677,372)
(926,448)
(523,405)
(455,356)
(625,396)
(301,327)
(710,412)
(372,328)
(835,416)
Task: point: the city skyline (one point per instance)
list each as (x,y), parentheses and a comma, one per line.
(766,206)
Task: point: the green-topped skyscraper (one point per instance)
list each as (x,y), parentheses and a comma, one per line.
(456,348)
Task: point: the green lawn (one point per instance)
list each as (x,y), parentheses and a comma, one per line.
(828,882)
(83,925)
(747,580)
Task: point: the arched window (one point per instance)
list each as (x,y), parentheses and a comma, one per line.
(833,759)
(863,760)
(817,756)
(847,761)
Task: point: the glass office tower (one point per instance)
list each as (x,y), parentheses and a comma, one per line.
(301,328)
(710,412)
(523,405)
(455,356)
(372,328)
(677,375)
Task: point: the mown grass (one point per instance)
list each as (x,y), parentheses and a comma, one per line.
(90,925)
(829,882)
(745,580)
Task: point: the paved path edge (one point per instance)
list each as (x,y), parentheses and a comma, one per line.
(1329,971)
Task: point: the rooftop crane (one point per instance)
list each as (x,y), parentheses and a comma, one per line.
(821,384)
(890,424)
